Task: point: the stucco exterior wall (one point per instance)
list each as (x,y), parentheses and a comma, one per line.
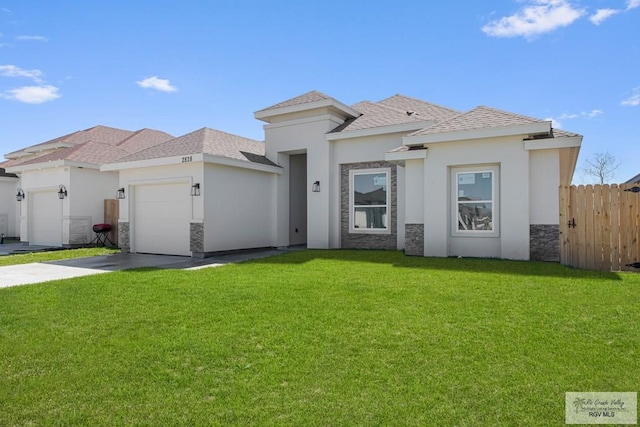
(304,136)
(235,209)
(9,207)
(508,154)
(544,184)
(239,208)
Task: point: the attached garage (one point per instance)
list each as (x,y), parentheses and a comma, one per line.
(161,218)
(45,220)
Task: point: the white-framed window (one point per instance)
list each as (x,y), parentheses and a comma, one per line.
(370,200)
(475,207)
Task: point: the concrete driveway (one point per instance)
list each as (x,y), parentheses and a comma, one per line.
(24,274)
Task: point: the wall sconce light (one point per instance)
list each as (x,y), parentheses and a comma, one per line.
(20,196)
(195,189)
(316,187)
(62,192)
(120,194)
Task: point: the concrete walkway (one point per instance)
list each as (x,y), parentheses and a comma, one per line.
(25,274)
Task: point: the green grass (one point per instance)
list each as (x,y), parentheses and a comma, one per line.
(318,338)
(54,255)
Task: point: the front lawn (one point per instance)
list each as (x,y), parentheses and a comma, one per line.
(318,338)
(54,255)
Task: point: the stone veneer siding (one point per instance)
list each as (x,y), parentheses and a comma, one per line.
(197,237)
(414,239)
(544,242)
(124,237)
(365,240)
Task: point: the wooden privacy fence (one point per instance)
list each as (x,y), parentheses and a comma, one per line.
(600,226)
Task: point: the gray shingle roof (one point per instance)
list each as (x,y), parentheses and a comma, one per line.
(206,141)
(427,110)
(104,134)
(559,133)
(143,139)
(96,145)
(305,98)
(375,115)
(479,118)
(88,152)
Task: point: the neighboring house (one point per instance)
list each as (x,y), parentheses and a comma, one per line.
(204,192)
(9,213)
(634,180)
(400,173)
(69,167)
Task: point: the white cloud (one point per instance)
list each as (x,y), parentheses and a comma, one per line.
(634,99)
(557,122)
(13,71)
(632,4)
(601,15)
(539,17)
(32,94)
(32,38)
(157,83)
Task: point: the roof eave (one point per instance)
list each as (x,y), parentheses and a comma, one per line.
(399,157)
(194,158)
(545,144)
(228,161)
(147,163)
(52,164)
(331,103)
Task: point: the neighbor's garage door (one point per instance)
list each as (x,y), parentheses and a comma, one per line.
(161,219)
(46,218)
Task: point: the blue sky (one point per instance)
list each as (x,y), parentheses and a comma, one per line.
(180,66)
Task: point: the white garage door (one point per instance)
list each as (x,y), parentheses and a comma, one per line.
(46,218)
(161,219)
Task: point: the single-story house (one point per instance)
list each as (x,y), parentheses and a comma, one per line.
(438,182)
(61,185)
(400,173)
(8,205)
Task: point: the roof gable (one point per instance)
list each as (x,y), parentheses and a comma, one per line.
(305,98)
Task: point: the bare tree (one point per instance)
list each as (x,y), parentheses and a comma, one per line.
(601,166)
